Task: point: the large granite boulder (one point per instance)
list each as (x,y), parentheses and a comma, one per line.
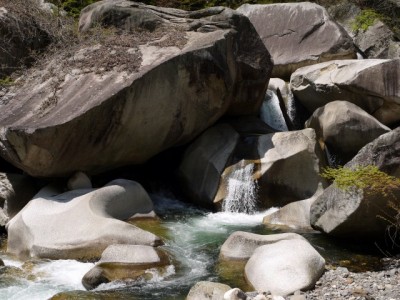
(284,267)
(125,262)
(157,81)
(371,84)
(345,128)
(298,34)
(254,170)
(207,290)
(282,153)
(358,213)
(241,245)
(79,224)
(205,160)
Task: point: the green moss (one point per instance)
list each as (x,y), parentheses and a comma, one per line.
(368,178)
(365,19)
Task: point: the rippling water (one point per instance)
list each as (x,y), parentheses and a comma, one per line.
(192,236)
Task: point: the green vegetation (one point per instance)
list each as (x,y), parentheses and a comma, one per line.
(365,19)
(73,7)
(368,178)
(6,81)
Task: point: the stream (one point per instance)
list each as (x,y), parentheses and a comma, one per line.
(192,237)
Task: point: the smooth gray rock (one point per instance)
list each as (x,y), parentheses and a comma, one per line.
(79,181)
(204,162)
(124,262)
(206,290)
(295,214)
(357,214)
(345,128)
(241,245)
(284,267)
(79,224)
(281,153)
(298,34)
(371,84)
(174,75)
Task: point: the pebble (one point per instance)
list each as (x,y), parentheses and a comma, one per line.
(340,283)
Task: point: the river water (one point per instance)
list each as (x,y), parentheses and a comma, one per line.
(192,237)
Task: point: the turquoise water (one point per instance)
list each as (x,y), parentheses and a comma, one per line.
(193,238)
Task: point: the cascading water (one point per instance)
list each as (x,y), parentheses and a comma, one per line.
(241,190)
(271,112)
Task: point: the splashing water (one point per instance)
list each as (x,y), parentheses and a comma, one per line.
(271,112)
(242,190)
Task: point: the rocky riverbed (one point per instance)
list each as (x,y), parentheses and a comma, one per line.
(340,283)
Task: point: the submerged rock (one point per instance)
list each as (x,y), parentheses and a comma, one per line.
(284,267)
(371,84)
(206,290)
(124,262)
(345,128)
(79,224)
(357,213)
(156,81)
(298,34)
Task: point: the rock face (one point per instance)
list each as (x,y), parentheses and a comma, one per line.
(377,41)
(357,214)
(132,95)
(267,160)
(298,34)
(15,192)
(284,267)
(81,223)
(280,154)
(206,290)
(241,245)
(345,128)
(371,84)
(124,262)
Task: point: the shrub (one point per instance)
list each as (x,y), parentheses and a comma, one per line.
(365,19)
(368,178)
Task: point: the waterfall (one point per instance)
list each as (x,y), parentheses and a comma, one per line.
(271,112)
(241,190)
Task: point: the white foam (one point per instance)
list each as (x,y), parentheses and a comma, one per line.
(48,278)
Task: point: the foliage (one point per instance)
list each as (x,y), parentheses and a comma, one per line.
(368,178)
(365,19)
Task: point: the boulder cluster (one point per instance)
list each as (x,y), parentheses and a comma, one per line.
(276,90)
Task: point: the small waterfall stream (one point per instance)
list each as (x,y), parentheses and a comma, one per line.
(241,190)
(271,112)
